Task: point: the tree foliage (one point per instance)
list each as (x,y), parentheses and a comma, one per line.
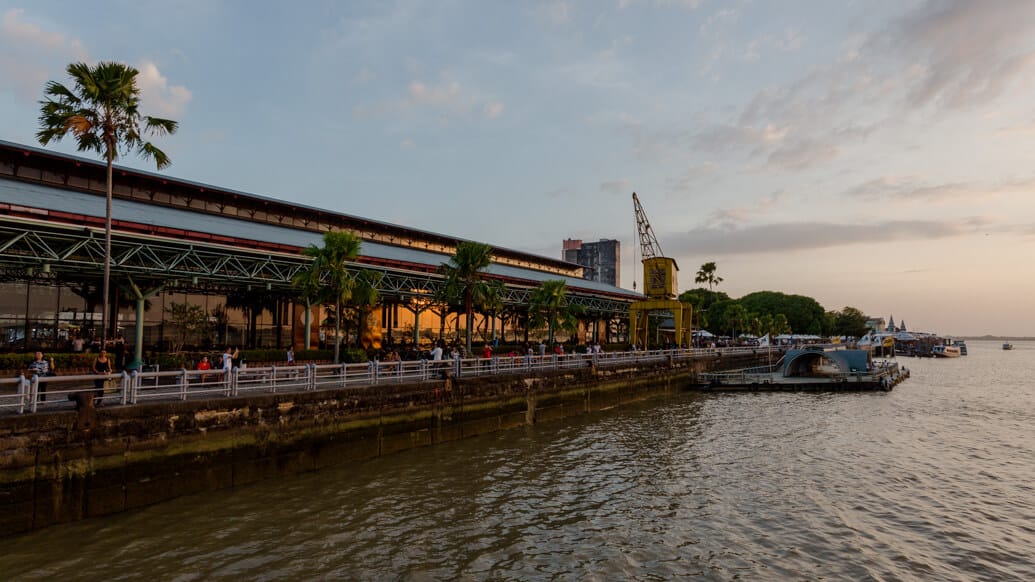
(186,320)
(463,278)
(706,274)
(550,307)
(848,322)
(800,312)
(101,110)
(328,278)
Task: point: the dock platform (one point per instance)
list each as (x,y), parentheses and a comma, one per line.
(881,379)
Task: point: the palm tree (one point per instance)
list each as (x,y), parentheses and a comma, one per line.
(330,267)
(101,112)
(307,283)
(252,303)
(707,275)
(550,307)
(463,275)
(489,301)
(515,317)
(737,316)
(365,296)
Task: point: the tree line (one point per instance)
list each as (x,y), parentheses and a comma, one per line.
(766,312)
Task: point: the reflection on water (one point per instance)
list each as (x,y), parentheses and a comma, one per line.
(930,481)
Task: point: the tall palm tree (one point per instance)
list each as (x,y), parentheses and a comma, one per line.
(463,275)
(550,306)
(101,112)
(706,274)
(330,267)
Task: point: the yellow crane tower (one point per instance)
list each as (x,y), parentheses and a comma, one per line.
(660,286)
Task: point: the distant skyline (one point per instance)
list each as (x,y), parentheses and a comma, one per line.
(873,154)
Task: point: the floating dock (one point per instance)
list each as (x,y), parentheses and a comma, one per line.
(809,370)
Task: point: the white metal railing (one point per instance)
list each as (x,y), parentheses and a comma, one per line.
(34,394)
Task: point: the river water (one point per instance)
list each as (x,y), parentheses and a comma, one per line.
(932,481)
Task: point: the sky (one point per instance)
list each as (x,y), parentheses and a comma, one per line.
(874,154)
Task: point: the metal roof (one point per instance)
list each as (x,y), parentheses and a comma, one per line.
(77,161)
(45,197)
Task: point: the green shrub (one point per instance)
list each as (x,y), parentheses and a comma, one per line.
(18,362)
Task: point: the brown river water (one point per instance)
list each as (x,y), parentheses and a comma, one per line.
(932,481)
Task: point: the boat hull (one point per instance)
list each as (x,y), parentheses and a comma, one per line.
(946,352)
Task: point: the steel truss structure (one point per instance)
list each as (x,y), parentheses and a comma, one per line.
(45,250)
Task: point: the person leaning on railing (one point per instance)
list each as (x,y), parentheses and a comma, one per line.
(42,367)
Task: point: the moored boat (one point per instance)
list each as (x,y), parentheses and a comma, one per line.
(943,351)
(962,345)
(1007,346)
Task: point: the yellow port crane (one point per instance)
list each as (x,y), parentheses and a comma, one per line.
(660,287)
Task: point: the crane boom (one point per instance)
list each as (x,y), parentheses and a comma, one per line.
(649,247)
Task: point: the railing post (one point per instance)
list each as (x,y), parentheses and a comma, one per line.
(273,379)
(23,389)
(373,371)
(310,376)
(184,383)
(423,370)
(342,373)
(234,375)
(125,387)
(34,386)
(134,384)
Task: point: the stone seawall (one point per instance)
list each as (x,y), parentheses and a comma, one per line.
(54,470)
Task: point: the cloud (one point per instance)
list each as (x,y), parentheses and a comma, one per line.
(730,217)
(691,4)
(616,187)
(802,154)
(692,178)
(555,13)
(30,55)
(938,57)
(493,110)
(563,192)
(448,98)
(729,239)
(157,95)
(965,52)
(916,188)
(446,95)
(407,144)
(15,29)
(789,42)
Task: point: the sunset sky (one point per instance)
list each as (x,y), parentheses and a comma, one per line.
(877,154)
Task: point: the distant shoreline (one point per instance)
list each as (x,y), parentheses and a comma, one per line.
(999,338)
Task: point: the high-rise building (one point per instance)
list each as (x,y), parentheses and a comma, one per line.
(601,261)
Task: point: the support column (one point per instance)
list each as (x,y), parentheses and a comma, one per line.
(138,342)
(308,325)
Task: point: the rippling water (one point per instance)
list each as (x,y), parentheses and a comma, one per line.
(932,481)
